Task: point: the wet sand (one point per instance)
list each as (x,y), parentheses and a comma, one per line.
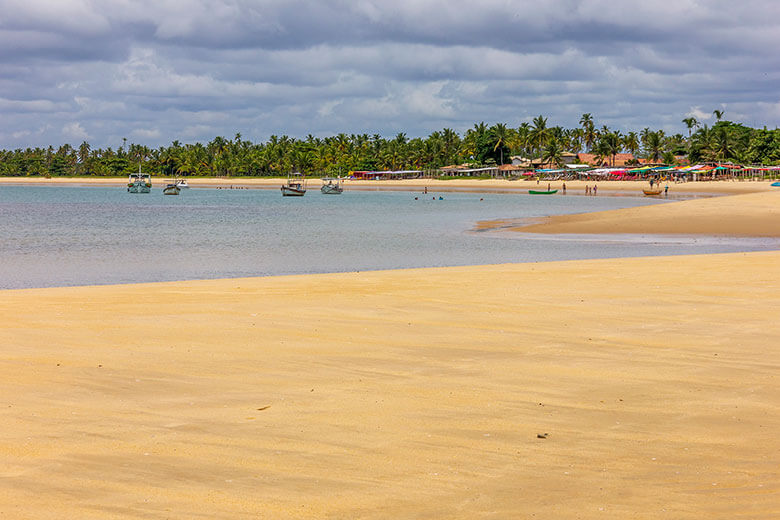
(653,383)
(748,215)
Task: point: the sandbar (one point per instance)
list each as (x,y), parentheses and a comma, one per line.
(625,388)
(746,215)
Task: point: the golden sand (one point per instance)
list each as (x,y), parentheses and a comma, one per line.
(632,388)
(400,394)
(748,215)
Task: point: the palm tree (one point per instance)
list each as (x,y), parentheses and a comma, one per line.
(500,134)
(610,144)
(718,114)
(540,134)
(654,145)
(722,145)
(553,153)
(691,123)
(523,133)
(631,143)
(588,131)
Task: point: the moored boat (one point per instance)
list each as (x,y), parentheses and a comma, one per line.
(542,192)
(652,193)
(182,184)
(295,186)
(332,186)
(171,189)
(139,182)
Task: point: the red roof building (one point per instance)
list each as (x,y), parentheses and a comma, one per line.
(620,159)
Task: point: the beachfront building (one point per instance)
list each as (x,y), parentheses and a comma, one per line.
(620,159)
(465,171)
(519,160)
(385,174)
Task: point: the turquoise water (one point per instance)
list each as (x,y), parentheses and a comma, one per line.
(57,236)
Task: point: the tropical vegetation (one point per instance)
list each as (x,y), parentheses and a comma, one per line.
(481,145)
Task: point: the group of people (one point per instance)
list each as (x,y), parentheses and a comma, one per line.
(591,191)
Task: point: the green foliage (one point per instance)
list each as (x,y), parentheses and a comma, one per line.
(337,155)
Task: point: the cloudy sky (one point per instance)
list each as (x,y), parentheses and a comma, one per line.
(153,71)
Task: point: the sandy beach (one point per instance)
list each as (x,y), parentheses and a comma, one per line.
(400,394)
(625,388)
(504,185)
(748,215)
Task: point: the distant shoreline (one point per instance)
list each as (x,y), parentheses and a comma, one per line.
(476,185)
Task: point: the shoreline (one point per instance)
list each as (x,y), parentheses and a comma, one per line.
(744,215)
(408,393)
(476,185)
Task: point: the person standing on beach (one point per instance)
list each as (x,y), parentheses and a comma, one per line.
(563,187)
(587,190)
(594,189)
(666,190)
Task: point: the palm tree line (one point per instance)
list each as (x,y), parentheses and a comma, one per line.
(481,145)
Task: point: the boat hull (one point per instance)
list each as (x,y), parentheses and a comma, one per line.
(171,190)
(331,190)
(652,193)
(139,188)
(542,192)
(292,192)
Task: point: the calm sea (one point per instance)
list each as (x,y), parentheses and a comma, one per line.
(57,236)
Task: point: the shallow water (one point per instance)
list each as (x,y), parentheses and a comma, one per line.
(56,236)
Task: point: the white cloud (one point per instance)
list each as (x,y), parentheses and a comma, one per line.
(161,70)
(147,133)
(75,131)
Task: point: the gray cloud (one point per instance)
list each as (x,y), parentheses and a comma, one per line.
(155,71)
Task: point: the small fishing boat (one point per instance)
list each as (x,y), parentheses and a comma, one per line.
(652,193)
(171,189)
(542,192)
(182,184)
(295,186)
(139,182)
(776,184)
(331,186)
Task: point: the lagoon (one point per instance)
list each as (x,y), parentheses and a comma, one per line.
(61,236)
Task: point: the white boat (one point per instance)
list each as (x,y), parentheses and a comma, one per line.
(182,184)
(295,186)
(332,186)
(139,182)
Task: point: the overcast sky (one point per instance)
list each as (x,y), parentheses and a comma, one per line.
(158,70)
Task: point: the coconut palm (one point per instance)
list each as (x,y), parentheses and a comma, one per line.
(654,145)
(631,143)
(610,144)
(691,123)
(540,134)
(722,144)
(589,133)
(553,153)
(500,135)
